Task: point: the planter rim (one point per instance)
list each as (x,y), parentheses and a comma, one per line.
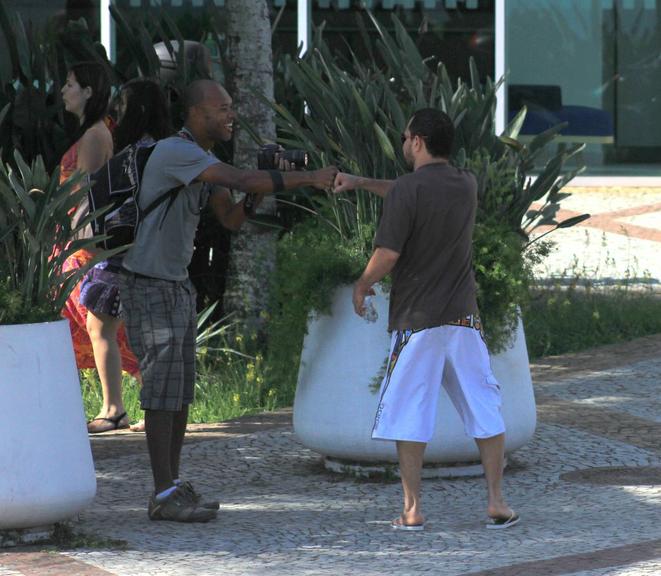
(34,323)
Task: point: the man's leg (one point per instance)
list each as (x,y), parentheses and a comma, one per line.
(159,430)
(179,421)
(492,453)
(410,468)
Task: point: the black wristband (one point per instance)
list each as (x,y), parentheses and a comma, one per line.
(249,203)
(278,182)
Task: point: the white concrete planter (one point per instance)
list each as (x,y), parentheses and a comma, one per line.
(46,467)
(334,406)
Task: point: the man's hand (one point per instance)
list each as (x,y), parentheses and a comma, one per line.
(324,178)
(344,182)
(283,165)
(360,291)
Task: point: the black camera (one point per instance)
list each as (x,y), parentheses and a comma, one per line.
(266,157)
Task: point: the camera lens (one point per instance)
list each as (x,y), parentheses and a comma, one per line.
(297,157)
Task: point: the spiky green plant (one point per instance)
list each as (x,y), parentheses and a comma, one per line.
(356,110)
(36,237)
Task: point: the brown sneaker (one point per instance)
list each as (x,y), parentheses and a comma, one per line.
(196,498)
(178,507)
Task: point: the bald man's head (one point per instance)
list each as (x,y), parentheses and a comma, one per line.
(201,92)
(208,112)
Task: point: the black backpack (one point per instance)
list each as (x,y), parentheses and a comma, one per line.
(117,185)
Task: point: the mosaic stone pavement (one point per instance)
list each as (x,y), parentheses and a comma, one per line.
(588,488)
(619,240)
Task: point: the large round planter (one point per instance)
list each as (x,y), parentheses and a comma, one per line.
(343,355)
(47,471)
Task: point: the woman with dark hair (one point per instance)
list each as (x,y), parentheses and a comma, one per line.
(96,341)
(143,118)
(143,114)
(86,95)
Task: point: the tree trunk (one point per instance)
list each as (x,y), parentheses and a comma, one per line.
(250,68)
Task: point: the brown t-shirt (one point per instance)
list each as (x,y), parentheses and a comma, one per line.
(428,217)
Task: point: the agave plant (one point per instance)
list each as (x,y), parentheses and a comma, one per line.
(355,113)
(36,237)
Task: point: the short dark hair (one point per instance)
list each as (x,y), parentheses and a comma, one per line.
(95,75)
(195,94)
(147,112)
(435,128)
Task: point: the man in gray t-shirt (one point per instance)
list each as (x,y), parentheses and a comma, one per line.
(158,299)
(424,241)
(164,244)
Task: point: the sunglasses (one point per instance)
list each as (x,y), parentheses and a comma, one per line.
(403,137)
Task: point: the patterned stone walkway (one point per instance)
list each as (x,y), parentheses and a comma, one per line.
(620,240)
(588,487)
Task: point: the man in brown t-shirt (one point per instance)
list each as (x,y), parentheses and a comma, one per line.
(424,241)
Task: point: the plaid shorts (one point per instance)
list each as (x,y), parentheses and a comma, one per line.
(161,325)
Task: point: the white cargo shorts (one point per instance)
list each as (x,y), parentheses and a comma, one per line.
(421,361)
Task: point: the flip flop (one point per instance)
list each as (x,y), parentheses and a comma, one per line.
(503,523)
(115,423)
(397,524)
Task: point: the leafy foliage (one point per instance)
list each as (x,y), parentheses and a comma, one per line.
(36,237)
(311,264)
(562,319)
(355,113)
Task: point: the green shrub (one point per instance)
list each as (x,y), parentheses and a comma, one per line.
(311,263)
(355,113)
(36,237)
(561,319)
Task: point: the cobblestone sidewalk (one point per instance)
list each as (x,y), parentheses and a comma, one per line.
(588,488)
(619,241)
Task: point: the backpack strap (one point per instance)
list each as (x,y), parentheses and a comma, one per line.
(170,194)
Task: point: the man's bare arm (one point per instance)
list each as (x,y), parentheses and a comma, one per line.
(229,213)
(260,182)
(381,263)
(345,182)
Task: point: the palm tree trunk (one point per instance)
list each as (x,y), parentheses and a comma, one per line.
(250,68)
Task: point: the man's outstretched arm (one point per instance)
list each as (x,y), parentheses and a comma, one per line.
(345,182)
(261,181)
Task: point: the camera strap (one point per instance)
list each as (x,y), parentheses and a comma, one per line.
(278,182)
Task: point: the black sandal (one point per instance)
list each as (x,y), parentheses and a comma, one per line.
(115,424)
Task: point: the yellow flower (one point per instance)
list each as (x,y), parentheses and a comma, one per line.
(236,398)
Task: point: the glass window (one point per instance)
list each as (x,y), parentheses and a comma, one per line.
(450,30)
(595,65)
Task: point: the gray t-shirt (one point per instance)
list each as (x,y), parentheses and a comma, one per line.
(163,246)
(428,218)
